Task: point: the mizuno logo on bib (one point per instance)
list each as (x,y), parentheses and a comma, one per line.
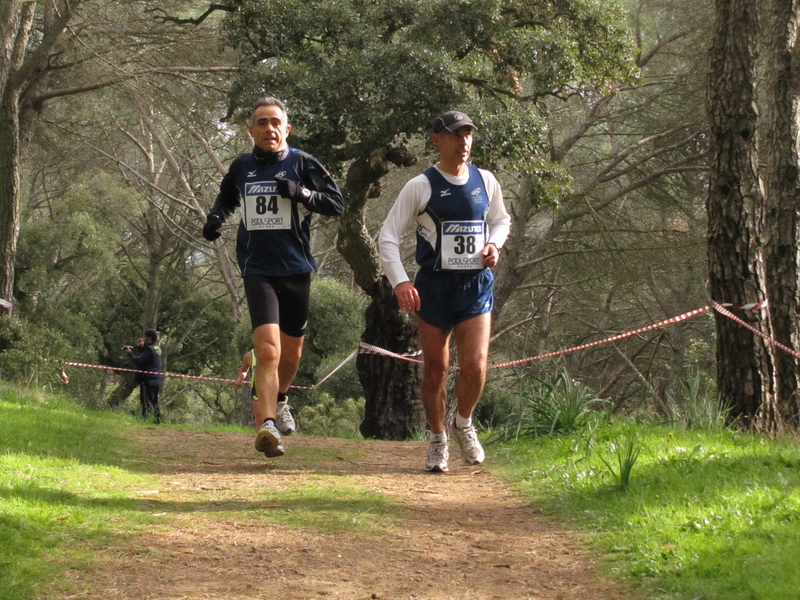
(462,244)
(264,208)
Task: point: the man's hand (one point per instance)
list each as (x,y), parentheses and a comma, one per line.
(407,297)
(289,189)
(490,255)
(211,228)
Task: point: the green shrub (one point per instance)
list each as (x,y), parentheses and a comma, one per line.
(29,353)
(545,407)
(331,418)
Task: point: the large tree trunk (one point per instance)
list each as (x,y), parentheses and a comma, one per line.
(779,157)
(743,365)
(391,385)
(9,190)
(23,72)
(123,390)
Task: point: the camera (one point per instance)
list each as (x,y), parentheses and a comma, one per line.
(127,348)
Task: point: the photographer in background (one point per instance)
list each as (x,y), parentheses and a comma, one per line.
(147,358)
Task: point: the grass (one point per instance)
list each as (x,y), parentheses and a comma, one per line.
(63,489)
(71,483)
(329,507)
(710,515)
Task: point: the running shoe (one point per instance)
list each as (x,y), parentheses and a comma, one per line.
(467,438)
(438,453)
(285,420)
(268,440)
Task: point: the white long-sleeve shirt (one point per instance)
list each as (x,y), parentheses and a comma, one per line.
(409,206)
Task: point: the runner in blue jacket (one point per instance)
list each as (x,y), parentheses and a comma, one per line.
(277,189)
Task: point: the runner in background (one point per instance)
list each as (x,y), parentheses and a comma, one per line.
(285,422)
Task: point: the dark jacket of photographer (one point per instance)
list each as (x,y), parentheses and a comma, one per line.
(148,358)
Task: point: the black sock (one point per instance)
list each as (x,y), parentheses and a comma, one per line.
(281,397)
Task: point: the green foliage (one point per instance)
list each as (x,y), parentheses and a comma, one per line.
(545,407)
(700,407)
(359,76)
(624,452)
(334,330)
(328,417)
(337,317)
(703,407)
(61,476)
(67,249)
(29,353)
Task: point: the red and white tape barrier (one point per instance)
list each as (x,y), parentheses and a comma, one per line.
(614,338)
(720,307)
(364,348)
(65,377)
(723,311)
(76,364)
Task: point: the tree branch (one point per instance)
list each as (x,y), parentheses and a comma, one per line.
(61,93)
(211,10)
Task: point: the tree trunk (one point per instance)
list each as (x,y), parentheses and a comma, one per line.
(779,158)
(743,366)
(9,190)
(123,390)
(24,71)
(391,386)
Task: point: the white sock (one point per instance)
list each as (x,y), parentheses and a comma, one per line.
(461,422)
(437,437)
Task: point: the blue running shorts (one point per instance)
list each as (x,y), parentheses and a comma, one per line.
(447,299)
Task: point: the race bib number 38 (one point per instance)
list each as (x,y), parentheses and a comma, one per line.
(264,208)
(462,243)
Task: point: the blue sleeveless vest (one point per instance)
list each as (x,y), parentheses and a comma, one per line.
(458,213)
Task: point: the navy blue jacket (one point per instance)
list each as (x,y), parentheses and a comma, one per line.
(274,233)
(148,359)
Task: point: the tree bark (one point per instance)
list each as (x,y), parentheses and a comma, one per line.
(779,159)
(743,366)
(123,390)
(391,386)
(393,407)
(23,71)
(9,190)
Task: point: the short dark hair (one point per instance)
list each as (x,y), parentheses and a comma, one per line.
(268,101)
(152,334)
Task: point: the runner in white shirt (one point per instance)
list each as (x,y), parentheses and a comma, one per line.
(461,224)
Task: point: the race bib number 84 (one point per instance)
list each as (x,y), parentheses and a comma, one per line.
(462,243)
(264,208)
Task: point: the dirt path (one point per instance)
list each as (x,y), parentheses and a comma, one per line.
(460,536)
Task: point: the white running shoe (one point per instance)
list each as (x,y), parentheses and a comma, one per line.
(467,438)
(268,440)
(285,420)
(438,454)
